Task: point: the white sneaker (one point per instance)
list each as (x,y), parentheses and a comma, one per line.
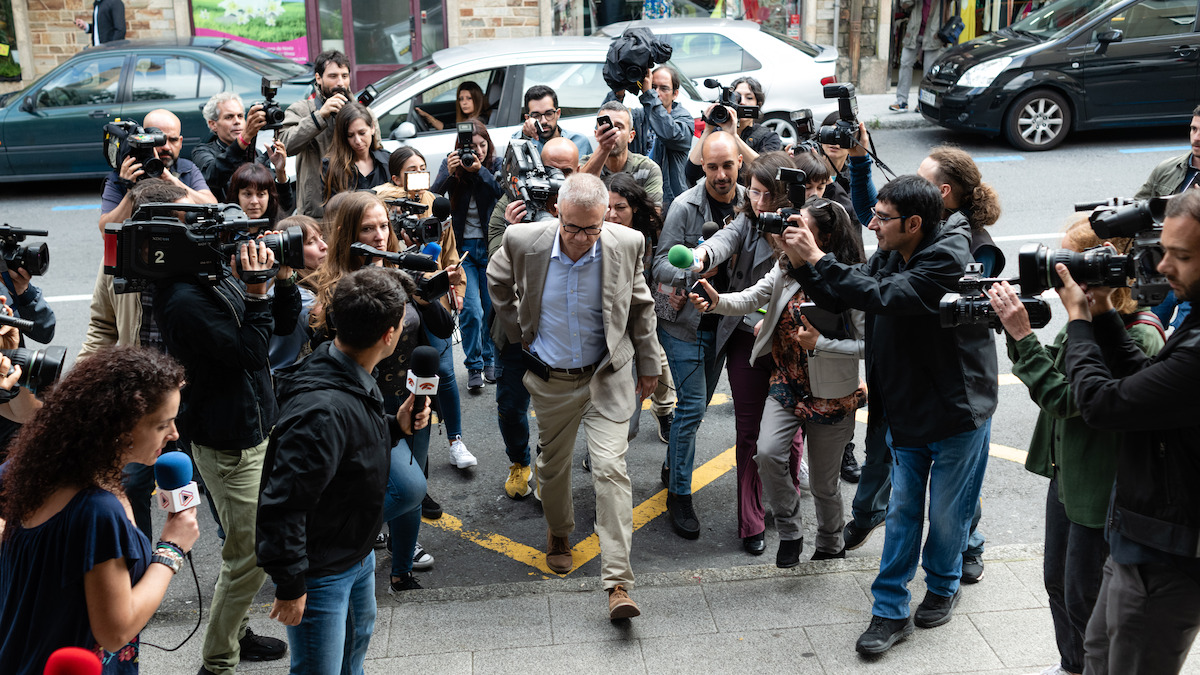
(421,558)
(1055,669)
(459,454)
(804,485)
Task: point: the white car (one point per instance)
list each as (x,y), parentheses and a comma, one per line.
(503,69)
(792,72)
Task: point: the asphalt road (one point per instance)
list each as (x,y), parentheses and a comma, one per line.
(487,538)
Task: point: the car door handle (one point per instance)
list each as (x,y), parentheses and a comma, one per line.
(97,114)
(1187,51)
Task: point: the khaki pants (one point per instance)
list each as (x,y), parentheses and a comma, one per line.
(662,401)
(562,403)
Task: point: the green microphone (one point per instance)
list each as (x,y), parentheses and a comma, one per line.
(681,257)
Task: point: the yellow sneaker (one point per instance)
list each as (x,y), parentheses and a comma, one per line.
(517,485)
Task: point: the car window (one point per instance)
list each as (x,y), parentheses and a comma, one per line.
(90,82)
(709,54)
(439,101)
(1059,18)
(1152,18)
(262,61)
(580,86)
(164,77)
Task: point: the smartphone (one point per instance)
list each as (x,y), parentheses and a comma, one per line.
(603,121)
(416,180)
(535,365)
(463,258)
(541,131)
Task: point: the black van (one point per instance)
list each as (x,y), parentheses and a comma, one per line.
(1073,64)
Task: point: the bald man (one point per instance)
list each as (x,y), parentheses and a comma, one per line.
(115,205)
(695,344)
(560,153)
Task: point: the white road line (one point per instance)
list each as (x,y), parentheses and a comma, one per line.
(69,298)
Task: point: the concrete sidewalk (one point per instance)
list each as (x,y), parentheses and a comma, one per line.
(755,619)
(873,110)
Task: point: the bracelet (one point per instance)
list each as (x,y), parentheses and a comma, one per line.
(257,296)
(170,546)
(289,281)
(242,141)
(168,558)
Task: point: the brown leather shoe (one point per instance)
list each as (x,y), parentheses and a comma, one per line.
(558,554)
(620,605)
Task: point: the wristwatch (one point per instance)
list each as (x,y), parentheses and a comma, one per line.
(172,561)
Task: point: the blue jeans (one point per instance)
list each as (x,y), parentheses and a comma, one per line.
(448,404)
(339,618)
(476,342)
(402,501)
(512,405)
(696,369)
(875,484)
(952,469)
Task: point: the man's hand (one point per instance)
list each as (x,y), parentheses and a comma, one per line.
(646,385)
(454,275)
(131,169)
(1008,307)
(648,82)
(700,303)
(1100,298)
(606,139)
(529,128)
(277,155)
(81,24)
(13,374)
(408,424)
(284,271)
(255,257)
(256,119)
(20,280)
(864,140)
(10,337)
(288,612)
(677,299)
(806,335)
(799,244)
(332,105)
(515,212)
(1072,296)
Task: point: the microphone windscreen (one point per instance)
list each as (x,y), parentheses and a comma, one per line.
(707,230)
(680,256)
(173,470)
(441,208)
(433,250)
(73,661)
(424,361)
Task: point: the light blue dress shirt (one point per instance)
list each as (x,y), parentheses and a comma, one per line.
(571,328)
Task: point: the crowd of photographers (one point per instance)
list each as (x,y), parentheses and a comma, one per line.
(583,276)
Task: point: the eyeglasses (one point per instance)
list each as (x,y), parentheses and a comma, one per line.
(663,87)
(883,219)
(543,115)
(757,195)
(573,229)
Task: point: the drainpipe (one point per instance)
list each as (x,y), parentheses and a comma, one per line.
(855,42)
(837,21)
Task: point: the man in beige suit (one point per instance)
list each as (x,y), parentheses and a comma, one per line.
(572,293)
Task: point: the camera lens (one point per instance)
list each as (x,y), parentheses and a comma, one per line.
(1096,267)
(39,367)
(153,167)
(33,258)
(288,246)
(771,223)
(719,115)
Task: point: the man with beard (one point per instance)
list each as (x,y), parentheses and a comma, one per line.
(115,205)
(541,120)
(613,154)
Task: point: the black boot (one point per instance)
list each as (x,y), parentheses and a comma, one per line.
(851,472)
(789,553)
(683,516)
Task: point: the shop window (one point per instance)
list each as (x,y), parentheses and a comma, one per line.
(162,77)
(580,86)
(93,82)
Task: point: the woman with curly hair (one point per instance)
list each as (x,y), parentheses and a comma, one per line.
(356,160)
(74,569)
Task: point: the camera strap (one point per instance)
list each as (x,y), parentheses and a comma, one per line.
(875,156)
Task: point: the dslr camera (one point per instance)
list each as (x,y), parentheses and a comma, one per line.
(420,230)
(970,307)
(844,132)
(269,106)
(527,179)
(129,139)
(806,132)
(155,245)
(728,99)
(776,223)
(33,258)
(465,144)
(430,288)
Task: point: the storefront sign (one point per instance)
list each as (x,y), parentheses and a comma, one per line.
(275,25)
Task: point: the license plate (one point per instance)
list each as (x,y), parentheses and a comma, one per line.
(927,97)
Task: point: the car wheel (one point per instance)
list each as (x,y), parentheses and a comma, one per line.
(1038,120)
(781,124)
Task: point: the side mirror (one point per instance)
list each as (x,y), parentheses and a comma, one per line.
(1105,38)
(404,131)
(27,104)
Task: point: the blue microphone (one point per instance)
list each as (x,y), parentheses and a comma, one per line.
(176,489)
(433,250)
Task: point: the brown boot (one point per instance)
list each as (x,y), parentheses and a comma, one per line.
(558,554)
(620,605)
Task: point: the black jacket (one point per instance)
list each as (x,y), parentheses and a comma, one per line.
(110,20)
(1154,401)
(931,382)
(218,161)
(459,189)
(325,473)
(221,339)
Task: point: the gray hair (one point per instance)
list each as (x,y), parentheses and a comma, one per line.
(584,190)
(210,108)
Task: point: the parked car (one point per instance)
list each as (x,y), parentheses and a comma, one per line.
(54,127)
(503,69)
(792,72)
(1073,64)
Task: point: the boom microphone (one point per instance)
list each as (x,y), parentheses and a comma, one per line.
(176,489)
(72,661)
(422,375)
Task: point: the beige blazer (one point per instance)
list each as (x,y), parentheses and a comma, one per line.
(517,275)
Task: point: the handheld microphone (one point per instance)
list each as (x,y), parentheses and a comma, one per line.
(707,230)
(682,258)
(433,250)
(422,375)
(72,661)
(409,262)
(441,208)
(176,489)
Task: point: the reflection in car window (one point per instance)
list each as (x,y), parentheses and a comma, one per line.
(260,60)
(1152,18)
(708,53)
(580,86)
(87,83)
(163,77)
(1059,18)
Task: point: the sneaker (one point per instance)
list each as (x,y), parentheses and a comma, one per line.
(459,454)
(822,555)
(421,558)
(517,485)
(898,107)
(789,553)
(474,381)
(851,471)
(972,569)
(664,427)
(1055,669)
(935,609)
(489,374)
(803,485)
(430,509)
(682,516)
(382,541)
(620,605)
(856,536)
(882,634)
(404,582)
(635,423)
(260,647)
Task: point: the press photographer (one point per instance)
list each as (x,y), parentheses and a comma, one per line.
(232,144)
(742,102)
(614,133)
(1148,610)
(557,153)
(129,167)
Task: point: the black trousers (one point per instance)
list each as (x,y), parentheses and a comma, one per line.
(1073,569)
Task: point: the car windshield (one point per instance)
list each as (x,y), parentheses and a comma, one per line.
(261,60)
(806,47)
(408,74)
(1060,18)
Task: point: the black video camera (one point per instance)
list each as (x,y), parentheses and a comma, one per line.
(527,179)
(776,223)
(129,139)
(420,230)
(844,132)
(630,56)
(970,307)
(154,245)
(727,99)
(40,368)
(465,144)
(269,106)
(430,288)
(33,258)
